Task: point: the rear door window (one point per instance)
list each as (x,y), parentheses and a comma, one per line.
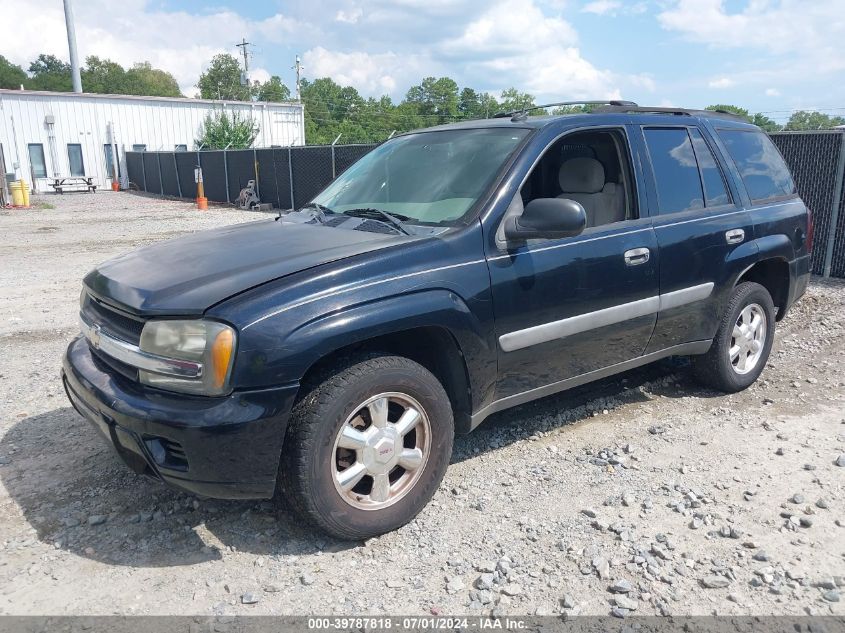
(760,165)
(675,170)
(715,192)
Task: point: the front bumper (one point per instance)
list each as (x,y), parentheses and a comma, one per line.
(227,447)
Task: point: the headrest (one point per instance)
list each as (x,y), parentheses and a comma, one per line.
(581,175)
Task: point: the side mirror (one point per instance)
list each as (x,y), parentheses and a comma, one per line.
(548,218)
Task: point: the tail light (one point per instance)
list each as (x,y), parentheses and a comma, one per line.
(810,230)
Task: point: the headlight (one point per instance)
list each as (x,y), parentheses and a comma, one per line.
(207,342)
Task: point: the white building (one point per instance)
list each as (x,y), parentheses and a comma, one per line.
(44,135)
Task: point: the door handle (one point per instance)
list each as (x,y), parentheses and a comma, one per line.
(637,256)
(735,236)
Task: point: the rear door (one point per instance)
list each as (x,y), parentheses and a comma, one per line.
(704,234)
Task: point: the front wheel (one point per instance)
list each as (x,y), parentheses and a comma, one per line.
(742,343)
(367,446)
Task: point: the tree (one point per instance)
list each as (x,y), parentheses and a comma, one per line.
(12,76)
(223,130)
(50,73)
(765,123)
(103,76)
(143,79)
(512,100)
(573,109)
(436,99)
(273,90)
(806,120)
(222,80)
(729,108)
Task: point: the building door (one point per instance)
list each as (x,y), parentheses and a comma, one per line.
(37,162)
(75,160)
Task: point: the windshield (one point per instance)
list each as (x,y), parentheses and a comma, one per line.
(429,177)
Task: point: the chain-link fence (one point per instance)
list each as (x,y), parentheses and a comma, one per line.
(817,162)
(288,177)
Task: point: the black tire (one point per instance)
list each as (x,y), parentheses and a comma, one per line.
(715,368)
(306,481)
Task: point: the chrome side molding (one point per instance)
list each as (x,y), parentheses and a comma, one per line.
(553,330)
(575,325)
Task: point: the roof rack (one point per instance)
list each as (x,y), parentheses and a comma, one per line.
(612,107)
(522,114)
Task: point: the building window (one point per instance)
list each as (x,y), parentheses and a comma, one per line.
(108,149)
(181,147)
(36,160)
(139,147)
(74,159)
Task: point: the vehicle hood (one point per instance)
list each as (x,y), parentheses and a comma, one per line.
(187,275)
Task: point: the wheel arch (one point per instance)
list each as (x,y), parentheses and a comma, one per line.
(773,274)
(434,347)
(433,328)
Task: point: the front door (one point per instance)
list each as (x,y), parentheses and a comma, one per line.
(567,307)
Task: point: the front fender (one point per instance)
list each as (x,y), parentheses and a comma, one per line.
(279,354)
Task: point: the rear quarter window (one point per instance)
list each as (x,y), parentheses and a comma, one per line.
(760,165)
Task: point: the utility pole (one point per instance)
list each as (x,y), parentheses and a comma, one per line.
(298,67)
(71,44)
(243,46)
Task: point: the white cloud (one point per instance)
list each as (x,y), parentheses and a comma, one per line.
(772,92)
(350,17)
(799,30)
(370,73)
(602,7)
(259,74)
(176,41)
(722,82)
(382,47)
(515,43)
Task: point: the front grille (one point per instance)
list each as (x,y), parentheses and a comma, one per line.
(112,321)
(107,363)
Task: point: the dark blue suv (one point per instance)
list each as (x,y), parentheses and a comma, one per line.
(329,356)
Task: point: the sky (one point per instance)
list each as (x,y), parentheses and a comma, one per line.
(771,56)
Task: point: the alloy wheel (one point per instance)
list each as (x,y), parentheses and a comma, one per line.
(748,339)
(381,450)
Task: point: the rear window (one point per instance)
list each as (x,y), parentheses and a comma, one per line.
(763,171)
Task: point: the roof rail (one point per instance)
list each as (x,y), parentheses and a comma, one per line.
(521,114)
(611,107)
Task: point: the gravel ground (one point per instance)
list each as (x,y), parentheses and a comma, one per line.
(641,494)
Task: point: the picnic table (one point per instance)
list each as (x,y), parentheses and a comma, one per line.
(73,183)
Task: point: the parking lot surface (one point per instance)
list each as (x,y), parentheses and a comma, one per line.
(642,494)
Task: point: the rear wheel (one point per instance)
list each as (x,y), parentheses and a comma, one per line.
(367,446)
(742,343)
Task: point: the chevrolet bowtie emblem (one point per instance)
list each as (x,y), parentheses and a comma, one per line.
(94,336)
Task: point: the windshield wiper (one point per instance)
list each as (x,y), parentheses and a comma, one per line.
(322,210)
(394,220)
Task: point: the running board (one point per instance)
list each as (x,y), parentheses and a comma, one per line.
(685,349)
